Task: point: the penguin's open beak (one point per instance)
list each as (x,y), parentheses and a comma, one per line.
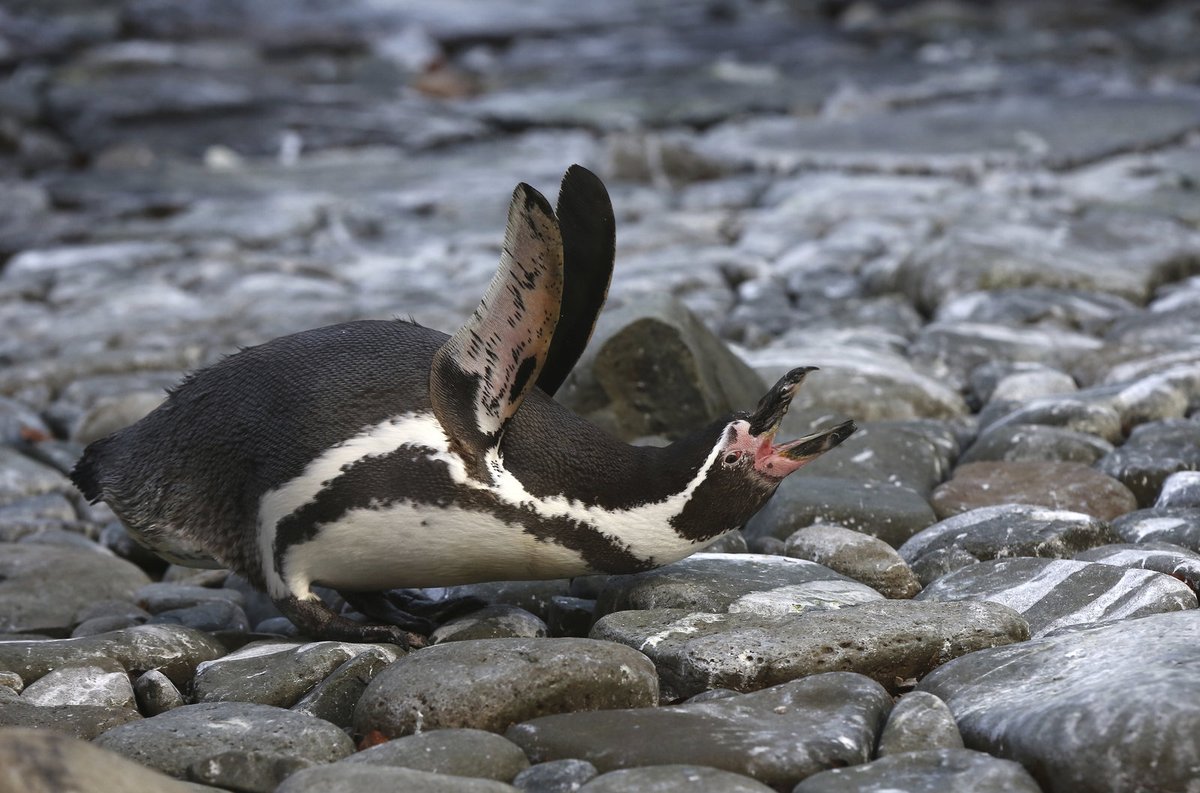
(779,461)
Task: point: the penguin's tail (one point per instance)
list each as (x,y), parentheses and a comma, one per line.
(86,473)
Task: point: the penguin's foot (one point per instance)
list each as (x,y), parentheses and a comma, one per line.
(409,609)
(316,619)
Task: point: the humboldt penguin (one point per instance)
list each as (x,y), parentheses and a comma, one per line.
(375,455)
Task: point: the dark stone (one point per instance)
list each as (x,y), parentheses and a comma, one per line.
(1163,557)
(335,697)
(457,752)
(555,776)
(1035,443)
(866,559)
(491,622)
(673,778)
(492,683)
(156,693)
(778,735)
(890,641)
(362,778)
(919,722)
(47,761)
(247,771)
(1115,707)
(1178,525)
(1058,593)
(1153,452)
(932,771)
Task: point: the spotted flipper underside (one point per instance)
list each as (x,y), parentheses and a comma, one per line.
(481,375)
(585,219)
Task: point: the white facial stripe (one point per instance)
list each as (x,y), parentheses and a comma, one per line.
(645,529)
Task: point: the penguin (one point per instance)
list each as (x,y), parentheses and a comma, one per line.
(377,455)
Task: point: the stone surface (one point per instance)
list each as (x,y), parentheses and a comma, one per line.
(1163,557)
(1035,443)
(173,650)
(735,583)
(335,697)
(1153,452)
(1127,690)
(362,778)
(273,673)
(492,622)
(156,693)
(46,761)
(42,587)
(855,555)
(104,684)
(910,454)
(250,771)
(889,641)
(778,735)
(919,722)
(555,776)
(1178,525)
(1006,530)
(490,684)
(1181,489)
(893,514)
(673,779)
(932,770)
(1062,486)
(173,741)
(456,752)
(1052,594)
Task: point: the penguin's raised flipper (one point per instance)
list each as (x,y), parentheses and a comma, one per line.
(585,219)
(481,375)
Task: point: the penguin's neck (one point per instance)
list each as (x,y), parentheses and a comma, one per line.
(555,453)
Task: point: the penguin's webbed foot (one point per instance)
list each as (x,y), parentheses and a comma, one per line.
(410,609)
(315,618)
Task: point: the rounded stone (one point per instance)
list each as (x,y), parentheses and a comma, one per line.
(1066,486)
(862,557)
(490,684)
(457,752)
(555,776)
(499,621)
(363,778)
(920,721)
(673,779)
(156,693)
(933,771)
(173,741)
(46,761)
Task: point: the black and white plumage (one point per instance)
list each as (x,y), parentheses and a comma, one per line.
(374,455)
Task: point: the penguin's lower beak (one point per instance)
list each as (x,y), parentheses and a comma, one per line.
(779,461)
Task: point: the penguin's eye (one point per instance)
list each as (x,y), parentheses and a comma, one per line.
(732,458)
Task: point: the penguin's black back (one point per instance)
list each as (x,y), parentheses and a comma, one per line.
(200,462)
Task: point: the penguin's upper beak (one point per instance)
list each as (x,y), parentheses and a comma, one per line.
(779,461)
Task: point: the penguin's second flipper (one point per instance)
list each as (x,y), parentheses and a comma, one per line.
(481,375)
(585,219)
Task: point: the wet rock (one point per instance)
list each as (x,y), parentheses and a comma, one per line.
(42,587)
(335,697)
(1180,489)
(1060,486)
(24,477)
(11,681)
(1057,593)
(654,369)
(213,616)
(1076,413)
(492,683)
(897,454)
(1163,557)
(273,673)
(888,641)
(362,778)
(18,423)
(778,735)
(868,384)
(1063,308)
(457,752)
(173,741)
(673,779)
(866,559)
(571,616)
(491,622)
(1035,443)
(1126,690)
(156,693)
(173,650)
(932,770)
(732,542)
(893,514)
(734,583)
(919,722)
(27,515)
(1153,452)
(532,596)
(1178,525)
(249,771)
(46,761)
(81,721)
(555,776)
(160,597)
(1008,530)
(103,684)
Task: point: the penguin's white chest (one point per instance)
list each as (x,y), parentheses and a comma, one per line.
(395,507)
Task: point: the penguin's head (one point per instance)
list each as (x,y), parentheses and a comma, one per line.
(748,465)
